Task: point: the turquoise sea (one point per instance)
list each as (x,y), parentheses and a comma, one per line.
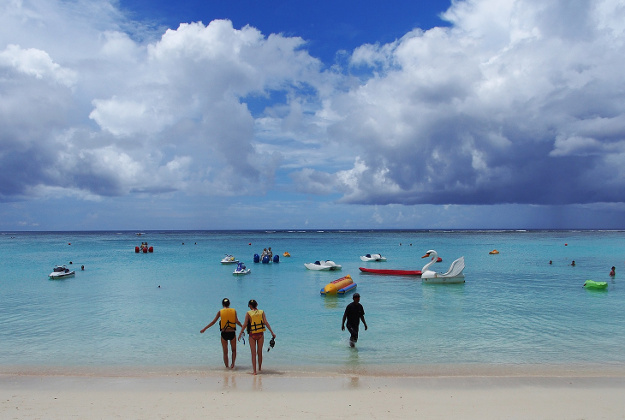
(515,308)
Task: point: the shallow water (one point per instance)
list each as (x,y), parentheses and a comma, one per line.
(514,309)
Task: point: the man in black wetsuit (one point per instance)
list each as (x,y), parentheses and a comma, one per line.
(354,313)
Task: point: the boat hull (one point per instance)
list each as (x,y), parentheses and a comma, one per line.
(443,280)
(58,276)
(317,267)
(390,272)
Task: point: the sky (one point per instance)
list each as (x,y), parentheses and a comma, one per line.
(396,114)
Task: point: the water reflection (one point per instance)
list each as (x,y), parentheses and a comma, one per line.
(257,384)
(229,382)
(352,359)
(331,301)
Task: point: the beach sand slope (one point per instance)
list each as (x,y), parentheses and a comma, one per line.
(273,396)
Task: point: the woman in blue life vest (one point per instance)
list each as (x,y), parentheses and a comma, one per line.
(227,325)
(255,322)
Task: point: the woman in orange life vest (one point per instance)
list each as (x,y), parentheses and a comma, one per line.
(227,326)
(255,322)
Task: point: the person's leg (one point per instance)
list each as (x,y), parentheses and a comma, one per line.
(259,349)
(224,346)
(353,331)
(233,346)
(253,350)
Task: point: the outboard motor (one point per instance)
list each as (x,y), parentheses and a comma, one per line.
(256,258)
(276,258)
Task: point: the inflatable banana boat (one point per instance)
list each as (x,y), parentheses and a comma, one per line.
(339,286)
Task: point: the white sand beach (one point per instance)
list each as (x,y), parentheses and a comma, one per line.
(273,394)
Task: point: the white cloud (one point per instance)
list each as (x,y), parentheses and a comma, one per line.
(477,112)
(514,92)
(36,63)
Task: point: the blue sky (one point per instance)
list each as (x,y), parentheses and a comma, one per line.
(501,114)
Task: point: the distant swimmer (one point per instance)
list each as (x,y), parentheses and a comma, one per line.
(573,263)
(613,272)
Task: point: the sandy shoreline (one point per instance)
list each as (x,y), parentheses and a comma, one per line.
(276,394)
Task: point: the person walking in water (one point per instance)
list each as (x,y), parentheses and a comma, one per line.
(227,325)
(354,313)
(255,323)
(613,272)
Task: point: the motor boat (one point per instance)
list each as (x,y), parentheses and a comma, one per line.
(372,257)
(453,275)
(229,259)
(326,265)
(241,269)
(60,272)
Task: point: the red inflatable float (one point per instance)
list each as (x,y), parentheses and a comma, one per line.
(144,248)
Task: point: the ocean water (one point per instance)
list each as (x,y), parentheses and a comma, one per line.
(515,308)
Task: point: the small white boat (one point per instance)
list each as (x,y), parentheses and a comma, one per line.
(372,257)
(326,265)
(60,272)
(453,275)
(229,259)
(241,269)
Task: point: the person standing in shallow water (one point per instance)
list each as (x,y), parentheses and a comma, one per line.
(228,325)
(354,313)
(255,323)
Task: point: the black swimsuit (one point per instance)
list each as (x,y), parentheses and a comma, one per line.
(228,335)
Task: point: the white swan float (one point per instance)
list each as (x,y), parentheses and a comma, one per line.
(453,275)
